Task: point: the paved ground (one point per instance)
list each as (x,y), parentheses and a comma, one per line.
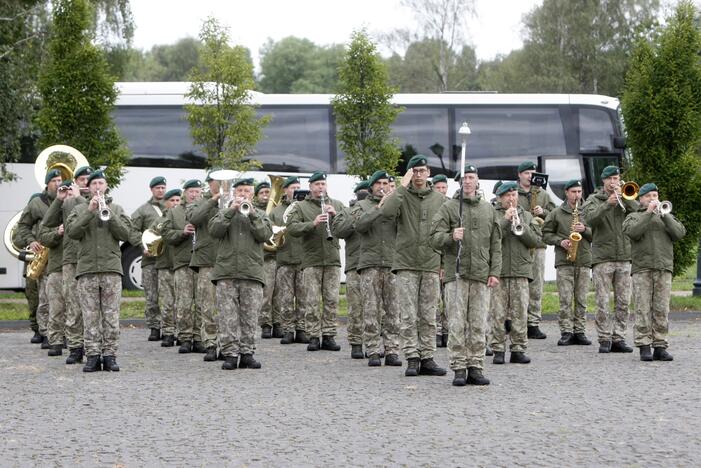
(571,406)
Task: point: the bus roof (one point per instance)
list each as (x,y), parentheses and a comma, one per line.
(172,93)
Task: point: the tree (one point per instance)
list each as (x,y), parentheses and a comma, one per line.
(662,112)
(77,92)
(223,120)
(364,111)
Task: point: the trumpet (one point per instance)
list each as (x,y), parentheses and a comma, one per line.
(104,211)
(663,208)
(245,208)
(329,236)
(628,191)
(516,225)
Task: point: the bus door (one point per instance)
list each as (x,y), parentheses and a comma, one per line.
(560,169)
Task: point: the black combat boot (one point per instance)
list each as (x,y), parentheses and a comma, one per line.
(45,343)
(412,368)
(519,357)
(198,347)
(56,350)
(460,379)
(230,362)
(357,351)
(185,347)
(288,338)
(301,337)
(620,347)
(392,360)
(475,377)
(444,340)
(109,363)
(498,357)
(581,339)
(661,354)
(168,341)
(439,341)
(329,343)
(429,367)
(488,351)
(374,360)
(155,335)
(93,364)
(567,339)
(247,362)
(277,330)
(604,347)
(75,356)
(534,333)
(313,344)
(267,332)
(645,353)
(211,355)
(36,339)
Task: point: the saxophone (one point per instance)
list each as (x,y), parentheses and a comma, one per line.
(575,237)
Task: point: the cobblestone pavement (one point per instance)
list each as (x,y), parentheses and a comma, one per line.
(571,406)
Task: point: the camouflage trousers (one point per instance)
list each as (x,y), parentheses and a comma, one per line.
(535,288)
(206,299)
(100,294)
(608,327)
(43,307)
(652,290)
(57,308)
(188,318)
(31,292)
(466,302)
(166,298)
(380,310)
(442,314)
(287,297)
(355,307)
(238,303)
(418,293)
(510,299)
(573,286)
(320,284)
(74,317)
(149,279)
(268,313)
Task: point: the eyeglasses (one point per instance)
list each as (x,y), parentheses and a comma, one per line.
(420,171)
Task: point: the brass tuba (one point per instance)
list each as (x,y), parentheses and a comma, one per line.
(278,238)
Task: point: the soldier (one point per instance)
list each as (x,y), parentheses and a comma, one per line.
(288,276)
(26,235)
(142,219)
(378,285)
(181,235)
(269,316)
(467,293)
(203,257)
(344,228)
(572,275)
(610,259)
(652,232)
(164,269)
(510,297)
(416,265)
(99,272)
(321,262)
(440,184)
(238,274)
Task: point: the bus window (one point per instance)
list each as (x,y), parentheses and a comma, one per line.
(502,137)
(595,165)
(595,131)
(560,170)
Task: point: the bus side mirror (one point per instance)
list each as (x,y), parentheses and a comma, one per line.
(619,142)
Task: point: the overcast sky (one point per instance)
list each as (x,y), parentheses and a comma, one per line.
(495,29)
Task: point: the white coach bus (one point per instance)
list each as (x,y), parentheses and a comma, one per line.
(568,136)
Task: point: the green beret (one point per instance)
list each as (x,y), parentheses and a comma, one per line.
(362,185)
(506,187)
(496,187)
(439,178)
(469,169)
(81,171)
(95,175)
(209,177)
(289,181)
(192,183)
(261,185)
(377,175)
(34,195)
(418,160)
(573,183)
(248,181)
(51,174)
(526,166)
(610,171)
(176,192)
(318,175)
(160,180)
(647,188)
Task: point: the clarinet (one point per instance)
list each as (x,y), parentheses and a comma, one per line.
(329,236)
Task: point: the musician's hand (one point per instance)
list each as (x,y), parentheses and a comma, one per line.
(579,227)
(538,210)
(652,206)
(320,218)
(146,253)
(613,199)
(509,213)
(331,210)
(566,244)
(35,247)
(406,180)
(215,196)
(492,282)
(62,193)
(60,230)
(94,203)
(458,233)
(189,229)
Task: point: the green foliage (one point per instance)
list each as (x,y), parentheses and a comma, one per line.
(364,111)
(662,112)
(223,121)
(78,93)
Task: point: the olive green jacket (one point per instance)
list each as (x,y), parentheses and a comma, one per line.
(557,227)
(413,211)
(200,213)
(377,234)
(317,250)
(98,248)
(480,256)
(516,256)
(343,227)
(174,235)
(28,225)
(609,244)
(652,237)
(57,214)
(142,219)
(542,199)
(291,251)
(240,254)
(49,237)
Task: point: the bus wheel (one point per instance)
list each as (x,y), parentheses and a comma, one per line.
(131,265)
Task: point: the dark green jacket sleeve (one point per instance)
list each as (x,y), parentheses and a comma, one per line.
(441,236)
(365,218)
(120,225)
(54,215)
(78,222)
(49,236)
(296,227)
(342,225)
(219,225)
(495,248)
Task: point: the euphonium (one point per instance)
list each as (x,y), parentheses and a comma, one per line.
(278,238)
(153,241)
(575,237)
